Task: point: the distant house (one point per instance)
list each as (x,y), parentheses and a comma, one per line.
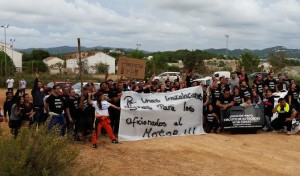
(53,62)
(90,59)
(14,55)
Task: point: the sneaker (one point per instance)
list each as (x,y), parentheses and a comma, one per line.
(94,145)
(269,130)
(114,141)
(289,133)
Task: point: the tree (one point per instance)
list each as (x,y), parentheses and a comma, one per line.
(136,54)
(11,69)
(101,68)
(250,62)
(35,55)
(39,54)
(33,66)
(277,60)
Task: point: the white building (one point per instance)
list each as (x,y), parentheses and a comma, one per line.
(15,55)
(53,62)
(90,59)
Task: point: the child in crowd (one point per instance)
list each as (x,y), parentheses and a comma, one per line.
(247,102)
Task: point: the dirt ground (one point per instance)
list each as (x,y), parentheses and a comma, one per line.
(211,154)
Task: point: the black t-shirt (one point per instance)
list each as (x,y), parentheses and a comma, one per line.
(282,86)
(215,95)
(294,95)
(287,81)
(225,101)
(258,87)
(56,103)
(72,104)
(271,84)
(27,108)
(238,99)
(222,87)
(88,109)
(189,81)
(210,116)
(116,94)
(107,93)
(245,92)
(142,90)
(168,89)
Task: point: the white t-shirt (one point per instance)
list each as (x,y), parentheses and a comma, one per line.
(23,84)
(104,110)
(10,83)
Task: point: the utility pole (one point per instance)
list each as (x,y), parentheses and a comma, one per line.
(137,49)
(227,36)
(5,27)
(12,47)
(80,62)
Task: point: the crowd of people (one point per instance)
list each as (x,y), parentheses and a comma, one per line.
(84,115)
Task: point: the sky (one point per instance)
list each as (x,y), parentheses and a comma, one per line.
(152,25)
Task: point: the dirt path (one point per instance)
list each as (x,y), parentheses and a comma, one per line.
(211,154)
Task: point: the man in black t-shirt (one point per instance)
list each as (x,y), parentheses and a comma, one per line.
(245,90)
(258,85)
(189,78)
(293,96)
(55,106)
(286,78)
(271,83)
(72,112)
(115,114)
(281,84)
(224,103)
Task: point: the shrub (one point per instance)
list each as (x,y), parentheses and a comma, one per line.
(36,153)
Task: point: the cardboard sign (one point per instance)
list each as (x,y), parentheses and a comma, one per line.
(146,116)
(131,68)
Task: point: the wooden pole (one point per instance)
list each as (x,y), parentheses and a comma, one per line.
(80,62)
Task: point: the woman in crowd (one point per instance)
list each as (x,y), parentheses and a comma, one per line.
(27,116)
(102,117)
(17,110)
(237,96)
(255,98)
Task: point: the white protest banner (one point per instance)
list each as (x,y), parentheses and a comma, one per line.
(145,116)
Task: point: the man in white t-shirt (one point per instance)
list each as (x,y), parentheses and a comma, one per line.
(10,84)
(22,84)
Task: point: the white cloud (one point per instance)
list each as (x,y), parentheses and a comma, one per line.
(157,24)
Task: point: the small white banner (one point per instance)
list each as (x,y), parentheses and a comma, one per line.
(145,116)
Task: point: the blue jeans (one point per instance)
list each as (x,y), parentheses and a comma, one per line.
(58,119)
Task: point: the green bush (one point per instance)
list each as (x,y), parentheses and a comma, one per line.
(36,153)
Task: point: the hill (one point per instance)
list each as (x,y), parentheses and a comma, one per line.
(262,54)
(70,49)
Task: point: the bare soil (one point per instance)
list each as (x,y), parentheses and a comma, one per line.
(211,154)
